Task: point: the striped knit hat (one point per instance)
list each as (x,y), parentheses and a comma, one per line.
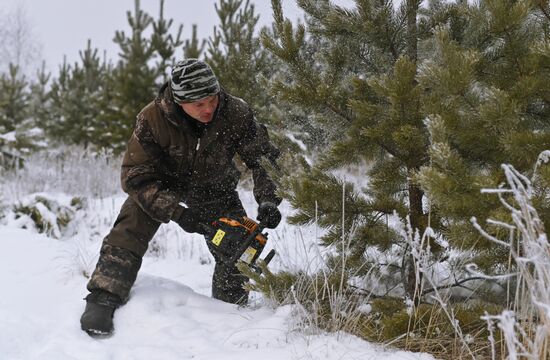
(192,80)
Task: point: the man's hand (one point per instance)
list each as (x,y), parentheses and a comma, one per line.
(269,215)
(189,220)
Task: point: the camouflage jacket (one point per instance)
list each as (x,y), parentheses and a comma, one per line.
(166,162)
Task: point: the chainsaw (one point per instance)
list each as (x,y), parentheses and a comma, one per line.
(239,240)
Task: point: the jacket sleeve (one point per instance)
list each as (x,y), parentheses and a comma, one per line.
(142,176)
(251,147)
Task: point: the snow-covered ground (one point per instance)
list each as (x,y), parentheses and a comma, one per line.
(170,314)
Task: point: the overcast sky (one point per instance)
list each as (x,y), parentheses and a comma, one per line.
(62,27)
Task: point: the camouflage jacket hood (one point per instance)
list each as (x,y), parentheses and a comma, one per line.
(167,162)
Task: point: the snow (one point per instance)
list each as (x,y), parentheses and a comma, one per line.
(298,142)
(170,314)
(8,137)
(35,131)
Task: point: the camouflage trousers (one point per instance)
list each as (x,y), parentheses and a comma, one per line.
(124,247)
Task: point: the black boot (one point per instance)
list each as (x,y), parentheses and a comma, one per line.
(227,285)
(97,319)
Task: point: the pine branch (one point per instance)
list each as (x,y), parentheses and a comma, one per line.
(544,10)
(338,112)
(395,52)
(457,283)
(389,150)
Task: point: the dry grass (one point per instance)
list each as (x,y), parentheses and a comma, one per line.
(526,325)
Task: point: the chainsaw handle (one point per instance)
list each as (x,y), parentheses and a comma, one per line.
(245,244)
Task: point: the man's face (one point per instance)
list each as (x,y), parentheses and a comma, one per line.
(201,110)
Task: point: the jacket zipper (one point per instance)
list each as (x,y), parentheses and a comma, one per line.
(195,156)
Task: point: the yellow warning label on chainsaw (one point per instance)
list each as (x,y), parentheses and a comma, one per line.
(218,237)
(248,255)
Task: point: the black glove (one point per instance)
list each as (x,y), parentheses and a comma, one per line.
(188,219)
(206,230)
(269,215)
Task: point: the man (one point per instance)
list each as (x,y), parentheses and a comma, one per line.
(181,151)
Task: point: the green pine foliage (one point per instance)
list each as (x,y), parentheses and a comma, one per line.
(427,328)
(234,52)
(488,103)
(19,134)
(430,100)
(360,87)
(40,97)
(193,47)
(164,43)
(74,112)
(276,286)
(13,99)
(132,84)
(314,75)
(323,194)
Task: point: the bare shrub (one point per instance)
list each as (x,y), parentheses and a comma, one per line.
(70,170)
(526,325)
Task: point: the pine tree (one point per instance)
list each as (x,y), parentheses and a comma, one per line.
(89,80)
(164,43)
(60,88)
(193,48)
(76,96)
(482,76)
(132,84)
(13,99)
(13,112)
(19,135)
(39,110)
(314,76)
(40,97)
(235,54)
(488,103)
(362,89)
